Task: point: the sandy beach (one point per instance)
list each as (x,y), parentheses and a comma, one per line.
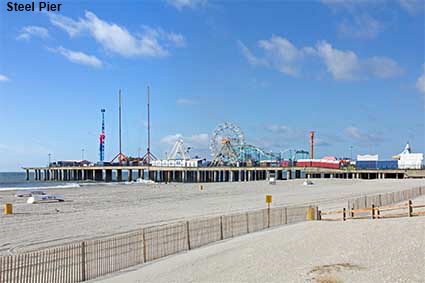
(96,210)
(389,250)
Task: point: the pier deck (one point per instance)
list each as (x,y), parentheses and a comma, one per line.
(207,174)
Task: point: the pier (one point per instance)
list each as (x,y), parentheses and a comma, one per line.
(206,174)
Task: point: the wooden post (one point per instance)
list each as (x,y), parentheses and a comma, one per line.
(145,259)
(221,227)
(247,223)
(352,211)
(378,213)
(344,214)
(410,208)
(319,215)
(83,261)
(373,211)
(268,215)
(188,237)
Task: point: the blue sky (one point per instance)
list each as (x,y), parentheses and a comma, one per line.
(353,71)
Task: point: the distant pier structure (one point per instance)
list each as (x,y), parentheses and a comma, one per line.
(206,174)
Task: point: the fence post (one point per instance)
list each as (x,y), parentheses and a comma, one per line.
(316,210)
(344,216)
(319,215)
(373,211)
(145,259)
(268,215)
(410,208)
(83,261)
(352,212)
(188,237)
(221,227)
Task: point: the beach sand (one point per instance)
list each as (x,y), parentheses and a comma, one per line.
(387,251)
(96,210)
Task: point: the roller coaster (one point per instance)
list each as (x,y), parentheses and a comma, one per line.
(228,147)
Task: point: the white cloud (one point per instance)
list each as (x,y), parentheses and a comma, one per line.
(278,128)
(382,67)
(360,136)
(180,4)
(117,39)
(30,31)
(361,26)
(413,6)
(321,142)
(420,83)
(252,59)
(173,38)
(343,65)
(171,139)
(78,57)
(346,65)
(186,101)
(284,132)
(69,25)
(282,55)
(351,5)
(279,53)
(3,78)
(198,140)
(358,21)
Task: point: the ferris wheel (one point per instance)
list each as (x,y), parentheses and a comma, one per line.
(227,135)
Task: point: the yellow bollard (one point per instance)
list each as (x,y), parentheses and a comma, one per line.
(8,208)
(310,214)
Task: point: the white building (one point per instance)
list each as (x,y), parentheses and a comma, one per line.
(409,160)
(368,157)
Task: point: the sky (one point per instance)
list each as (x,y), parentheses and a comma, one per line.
(352,71)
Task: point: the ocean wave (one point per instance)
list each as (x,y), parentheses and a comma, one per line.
(70,185)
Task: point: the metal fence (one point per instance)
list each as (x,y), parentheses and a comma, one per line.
(90,259)
(385,199)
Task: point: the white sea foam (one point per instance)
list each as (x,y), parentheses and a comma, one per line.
(70,185)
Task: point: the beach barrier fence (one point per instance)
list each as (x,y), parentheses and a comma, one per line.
(375,212)
(89,259)
(385,199)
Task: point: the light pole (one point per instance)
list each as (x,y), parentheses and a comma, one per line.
(50,157)
(351,152)
(82,154)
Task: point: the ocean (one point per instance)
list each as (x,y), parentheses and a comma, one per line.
(17,181)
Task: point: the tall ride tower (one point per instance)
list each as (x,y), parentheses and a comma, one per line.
(312,145)
(102,138)
(148,157)
(120,156)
